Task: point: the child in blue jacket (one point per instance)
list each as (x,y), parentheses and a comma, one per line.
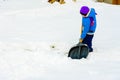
(88,26)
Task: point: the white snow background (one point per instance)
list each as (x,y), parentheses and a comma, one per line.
(30,28)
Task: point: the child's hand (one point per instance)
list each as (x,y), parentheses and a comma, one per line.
(80,40)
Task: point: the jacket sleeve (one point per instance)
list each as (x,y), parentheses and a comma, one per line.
(85,27)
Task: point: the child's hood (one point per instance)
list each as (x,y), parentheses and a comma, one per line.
(92,13)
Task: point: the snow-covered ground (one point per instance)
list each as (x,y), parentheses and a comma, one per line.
(30,28)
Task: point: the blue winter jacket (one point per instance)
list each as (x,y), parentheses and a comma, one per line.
(86,24)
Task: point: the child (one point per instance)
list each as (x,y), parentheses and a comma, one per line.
(88,26)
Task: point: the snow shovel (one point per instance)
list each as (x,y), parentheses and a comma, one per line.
(79,51)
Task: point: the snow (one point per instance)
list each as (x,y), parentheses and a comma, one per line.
(29,29)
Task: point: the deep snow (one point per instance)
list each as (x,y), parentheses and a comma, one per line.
(29,29)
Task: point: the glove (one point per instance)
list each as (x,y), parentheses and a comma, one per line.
(80,40)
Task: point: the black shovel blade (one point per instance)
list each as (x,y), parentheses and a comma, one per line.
(79,51)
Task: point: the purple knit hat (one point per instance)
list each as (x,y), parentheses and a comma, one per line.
(84,10)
